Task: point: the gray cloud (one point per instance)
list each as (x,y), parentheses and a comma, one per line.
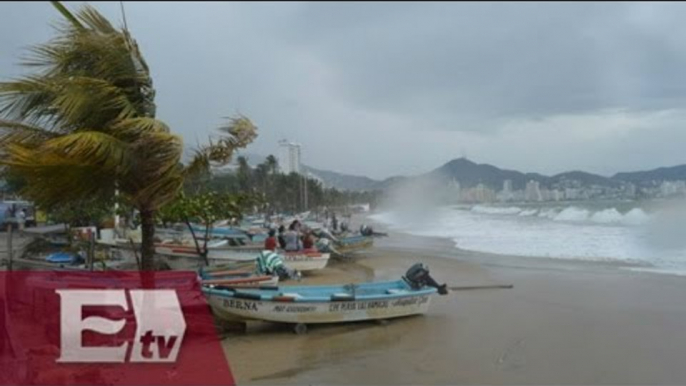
(381,89)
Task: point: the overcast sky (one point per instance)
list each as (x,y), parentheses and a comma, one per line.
(381,89)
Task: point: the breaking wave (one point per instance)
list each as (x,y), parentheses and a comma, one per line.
(635,216)
(653,241)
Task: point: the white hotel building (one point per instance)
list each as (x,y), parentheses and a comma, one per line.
(289,157)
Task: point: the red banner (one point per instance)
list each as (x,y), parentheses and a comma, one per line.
(107,328)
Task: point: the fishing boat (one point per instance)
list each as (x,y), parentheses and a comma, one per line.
(237,278)
(302,305)
(220,252)
(221,232)
(189,249)
(302,261)
(352,244)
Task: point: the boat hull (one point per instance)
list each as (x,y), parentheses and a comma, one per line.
(302,262)
(299,261)
(234,309)
(243,282)
(353,245)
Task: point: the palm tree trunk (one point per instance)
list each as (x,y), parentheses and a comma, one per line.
(148,240)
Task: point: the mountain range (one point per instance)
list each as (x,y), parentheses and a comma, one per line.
(469,174)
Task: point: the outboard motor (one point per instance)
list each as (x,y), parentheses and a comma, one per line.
(323,245)
(418,276)
(284,273)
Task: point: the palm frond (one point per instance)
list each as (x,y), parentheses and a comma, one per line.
(134,128)
(92,148)
(95,21)
(79,99)
(199,165)
(21,133)
(239,132)
(67,15)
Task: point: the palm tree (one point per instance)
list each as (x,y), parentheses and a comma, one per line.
(272,164)
(84,125)
(243,174)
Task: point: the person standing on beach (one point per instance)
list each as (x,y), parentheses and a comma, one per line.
(308,240)
(282,239)
(21,220)
(334,223)
(292,238)
(270,242)
(9,214)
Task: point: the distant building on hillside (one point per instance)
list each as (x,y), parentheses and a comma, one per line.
(289,157)
(507,194)
(483,194)
(672,188)
(533,191)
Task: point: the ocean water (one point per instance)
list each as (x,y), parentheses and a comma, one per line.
(652,235)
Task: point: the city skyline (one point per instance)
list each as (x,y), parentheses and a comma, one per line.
(535,193)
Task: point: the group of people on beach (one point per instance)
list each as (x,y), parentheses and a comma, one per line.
(296,238)
(299,237)
(334,224)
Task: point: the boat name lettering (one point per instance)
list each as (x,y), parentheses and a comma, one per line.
(352,306)
(240,304)
(410,301)
(294,309)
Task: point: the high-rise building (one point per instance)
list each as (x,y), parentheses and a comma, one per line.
(483,193)
(533,191)
(508,193)
(289,157)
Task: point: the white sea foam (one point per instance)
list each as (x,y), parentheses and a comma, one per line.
(548,213)
(528,212)
(635,216)
(559,232)
(496,209)
(572,214)
(607,216)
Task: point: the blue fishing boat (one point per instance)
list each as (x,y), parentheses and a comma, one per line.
(241,277)
(221,232)
(63,258)
(301,305)
(354,243)
(345,246)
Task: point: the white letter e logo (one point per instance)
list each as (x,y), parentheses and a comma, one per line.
(72,325)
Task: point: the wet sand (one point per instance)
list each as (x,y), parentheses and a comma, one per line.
(564,322)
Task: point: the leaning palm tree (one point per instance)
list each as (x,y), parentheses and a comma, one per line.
(83,125)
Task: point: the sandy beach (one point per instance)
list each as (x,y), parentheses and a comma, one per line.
(564,322)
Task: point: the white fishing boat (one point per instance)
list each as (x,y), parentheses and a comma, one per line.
(238,281)
(218,252)
(187,249)
(302,305)
(302,261)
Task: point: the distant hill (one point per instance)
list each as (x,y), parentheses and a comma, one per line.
(584,178)
(342,181)
(672,173)
(470,174)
